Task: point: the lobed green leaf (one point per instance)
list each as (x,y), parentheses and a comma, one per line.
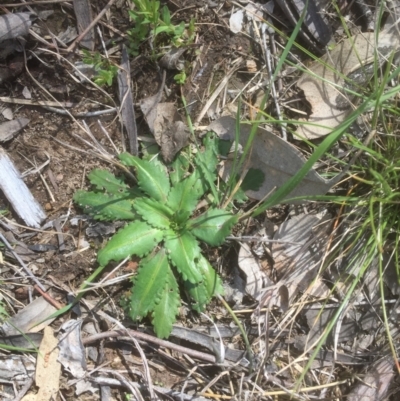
(184,251)
(106,207)
(207,161)
(210,154)
(152,177)
(185,194)
(201,293)
(167,308)
(212,281)
(137,238)
(213,226)
(149,284)
(179,168)
(107,181)
(154,212)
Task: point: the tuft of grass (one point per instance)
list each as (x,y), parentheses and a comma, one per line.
(372,212)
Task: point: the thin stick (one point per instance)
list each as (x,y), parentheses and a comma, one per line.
(154,340)
(20,261)
(6,99)
(48,298)
(272,85)
(25,388)
(32,3)
(81,115)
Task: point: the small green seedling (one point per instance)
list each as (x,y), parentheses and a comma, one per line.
(105,71)
(180,78)
(163,231)
(150,22)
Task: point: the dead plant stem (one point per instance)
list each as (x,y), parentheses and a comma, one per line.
(237,321)
(146,337)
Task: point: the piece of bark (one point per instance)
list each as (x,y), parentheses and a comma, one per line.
(83,13)
(48,369)
(18,194)
(10,128)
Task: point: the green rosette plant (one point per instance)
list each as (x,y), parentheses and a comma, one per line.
(164,231)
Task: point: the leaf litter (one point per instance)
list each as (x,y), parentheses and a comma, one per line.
(295,251)
(275,158)
(325,83)
(169,131)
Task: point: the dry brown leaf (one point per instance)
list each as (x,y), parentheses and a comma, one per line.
(323,87)
(277,159)
(16,368)
(318,320)
(7,113)
(249,264)
(375,383)
(172,60)
(72,352)
(48,369)
(170,133)
(27,319)
(297,255)
(236,21)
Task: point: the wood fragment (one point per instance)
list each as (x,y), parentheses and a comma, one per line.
(83,13)
(18,193)
(6,99)
(91,25)
(36,2)
(48,369)
(10,128)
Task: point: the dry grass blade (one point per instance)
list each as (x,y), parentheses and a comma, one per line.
(126,99)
